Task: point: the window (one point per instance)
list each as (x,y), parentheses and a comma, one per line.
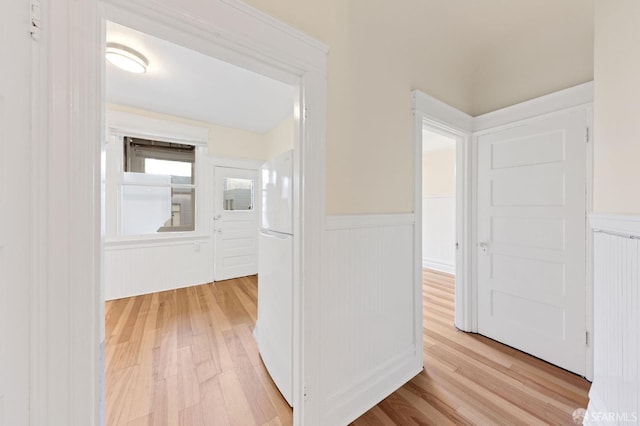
(158,187)
(238,194)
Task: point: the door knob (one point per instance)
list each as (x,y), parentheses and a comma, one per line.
(217,217)
(484,246)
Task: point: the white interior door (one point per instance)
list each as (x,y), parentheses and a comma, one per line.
(235,223)
(15,89)
(531,238)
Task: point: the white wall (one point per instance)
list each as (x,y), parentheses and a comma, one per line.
(439,209)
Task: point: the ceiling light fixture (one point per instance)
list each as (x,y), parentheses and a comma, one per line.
(126,58)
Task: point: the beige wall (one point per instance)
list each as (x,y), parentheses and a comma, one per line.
(381,50)
(223,141)
(617,107)
(280,138)
(530,61)
(439,173)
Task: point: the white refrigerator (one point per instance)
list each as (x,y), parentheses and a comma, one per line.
(274,328)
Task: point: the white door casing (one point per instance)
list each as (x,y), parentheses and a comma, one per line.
(235,231)
(531,237)
(435,114)
(15,202)
(70,110)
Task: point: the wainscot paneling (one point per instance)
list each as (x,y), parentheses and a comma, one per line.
(439,233)
(152,265)
(369,344)
(615,394)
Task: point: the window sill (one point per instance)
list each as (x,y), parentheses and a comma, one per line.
(156,239)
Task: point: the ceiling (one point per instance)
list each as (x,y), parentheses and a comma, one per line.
(188,84)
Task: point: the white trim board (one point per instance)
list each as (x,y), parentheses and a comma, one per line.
(581,94)
(129,124)
(615,223)
(434,109)
(436,265)
(233,163)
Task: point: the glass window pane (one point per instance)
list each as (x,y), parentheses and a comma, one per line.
(152,199)
(154,166)
(182,216)
(144,209)
(238,194)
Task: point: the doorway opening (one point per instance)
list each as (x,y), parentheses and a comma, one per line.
(184,143)
(438,200)
(442,227)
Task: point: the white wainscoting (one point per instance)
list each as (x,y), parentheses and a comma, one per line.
(147,266)
(615,393)
(370,326)
(439,233)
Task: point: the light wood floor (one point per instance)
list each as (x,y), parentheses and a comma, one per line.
(187,357)
(469,379)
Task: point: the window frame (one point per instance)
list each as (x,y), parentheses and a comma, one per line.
(121,124)
(162,153)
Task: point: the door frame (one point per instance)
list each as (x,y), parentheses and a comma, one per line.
(431,112)
(68,81)
(428,109)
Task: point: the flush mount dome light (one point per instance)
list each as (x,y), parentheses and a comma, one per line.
(126,58)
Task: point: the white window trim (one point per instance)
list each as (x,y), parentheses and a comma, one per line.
(124,124)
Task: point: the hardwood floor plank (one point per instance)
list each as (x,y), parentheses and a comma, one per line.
(213,406)
(237,406)
(188,357)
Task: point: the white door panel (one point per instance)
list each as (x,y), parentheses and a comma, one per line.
(235,223)
(15,89)
(531,234)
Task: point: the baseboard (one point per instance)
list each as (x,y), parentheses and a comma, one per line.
(448,268)
(346,405)
(596,405)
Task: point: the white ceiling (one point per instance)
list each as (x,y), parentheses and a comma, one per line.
(432,141)
(186,83)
